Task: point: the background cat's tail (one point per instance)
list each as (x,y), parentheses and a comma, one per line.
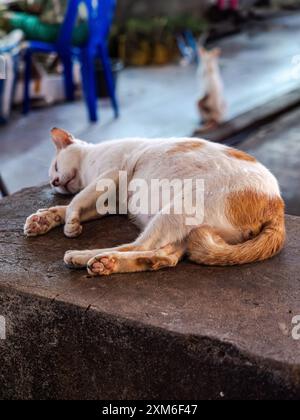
(206,246)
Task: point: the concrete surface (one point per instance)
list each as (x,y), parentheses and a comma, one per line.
(191,332)
(277,146)
(256,66)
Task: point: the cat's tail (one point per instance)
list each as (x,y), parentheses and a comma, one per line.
(206,246)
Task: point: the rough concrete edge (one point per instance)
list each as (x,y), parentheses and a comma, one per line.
(258,137)
(235,355)
(43,292)
(23,190)
(287,370)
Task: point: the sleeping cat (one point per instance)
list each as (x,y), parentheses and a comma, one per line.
(243,218)
(212,105)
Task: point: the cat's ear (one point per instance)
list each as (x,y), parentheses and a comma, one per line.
(61,138)
(216,52)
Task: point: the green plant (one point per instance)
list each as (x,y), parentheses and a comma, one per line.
(145,40)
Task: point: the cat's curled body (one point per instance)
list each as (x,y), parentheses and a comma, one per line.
(243,218)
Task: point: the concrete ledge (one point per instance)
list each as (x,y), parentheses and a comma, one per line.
(230,131)
(188,333)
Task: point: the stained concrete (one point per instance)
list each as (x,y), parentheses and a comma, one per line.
(256,66)
(189,332)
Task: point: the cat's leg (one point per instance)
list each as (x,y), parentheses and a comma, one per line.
(136,261)
(84,206)
(80,259)
(161,244)
(161,231)
(75,216)
(81,209)
(45,220)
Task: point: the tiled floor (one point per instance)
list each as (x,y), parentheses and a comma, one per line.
(256,66)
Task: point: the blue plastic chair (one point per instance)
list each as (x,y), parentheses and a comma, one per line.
(100,16)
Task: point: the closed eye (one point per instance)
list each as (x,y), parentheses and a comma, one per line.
(56,167)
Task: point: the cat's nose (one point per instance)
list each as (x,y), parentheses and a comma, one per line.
(56,182)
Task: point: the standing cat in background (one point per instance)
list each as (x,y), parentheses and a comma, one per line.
(243,218)
(212,105)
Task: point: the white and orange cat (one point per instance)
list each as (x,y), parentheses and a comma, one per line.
(243,210)
(212,105)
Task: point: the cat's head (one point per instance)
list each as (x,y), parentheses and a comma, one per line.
(65,176)
(209,59)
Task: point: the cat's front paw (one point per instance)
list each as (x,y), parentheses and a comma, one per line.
(103,265)
(73,228)
(42,222)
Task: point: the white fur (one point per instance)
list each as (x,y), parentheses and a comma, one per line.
(148,159)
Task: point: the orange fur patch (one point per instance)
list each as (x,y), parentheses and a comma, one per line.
(250,210)
(238,154)
(260,220)
(187,146)
(158,262)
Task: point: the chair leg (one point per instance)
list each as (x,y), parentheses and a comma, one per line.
(89,85)
(104,56)
(68,78)
(27,76)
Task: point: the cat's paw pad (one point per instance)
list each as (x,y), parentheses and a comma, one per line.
(41,222)
(73,228)
(76,259)
(102,265)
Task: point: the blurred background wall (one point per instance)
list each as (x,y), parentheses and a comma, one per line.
(143,8)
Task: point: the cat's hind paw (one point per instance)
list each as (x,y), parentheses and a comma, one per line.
(77,259)
(103,265)
(41,222)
